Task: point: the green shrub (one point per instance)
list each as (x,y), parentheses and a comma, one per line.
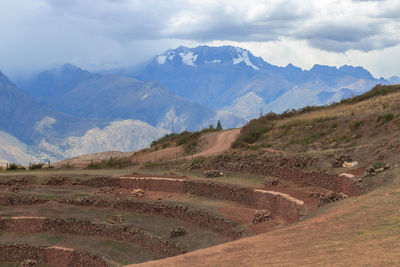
(14,166)
(355,125)
(94,165)
(36,166)
(385,118)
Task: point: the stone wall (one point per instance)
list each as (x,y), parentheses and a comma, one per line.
(199,217)
(10,200)
(236,193)
(291,170)
(51,256)
(86,228)
(277,203)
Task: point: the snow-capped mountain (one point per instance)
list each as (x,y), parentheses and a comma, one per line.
(234,79)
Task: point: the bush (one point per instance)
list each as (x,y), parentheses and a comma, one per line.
(385,118)
(36,166)
(14,166)
(94,165)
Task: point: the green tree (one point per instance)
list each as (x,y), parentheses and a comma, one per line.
(219,127)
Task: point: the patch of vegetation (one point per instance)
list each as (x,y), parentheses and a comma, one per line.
(35,166)
(189,140)
(378,90)
(117,163)
(324,119)
(385,118)
(256,128)
(14,167)
(253,130)
(355,125)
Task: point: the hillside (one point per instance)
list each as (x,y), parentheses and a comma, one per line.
(349,232)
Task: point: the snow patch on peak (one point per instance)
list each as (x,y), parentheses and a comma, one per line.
(188,58)
(243,56)
(161,59)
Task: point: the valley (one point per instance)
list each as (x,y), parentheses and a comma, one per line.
(276,191)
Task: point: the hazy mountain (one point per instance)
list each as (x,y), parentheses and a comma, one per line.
(114,97)
(224,78)
(31,131)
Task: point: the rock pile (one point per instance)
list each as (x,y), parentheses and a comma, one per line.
(29,263)
(338,163)
(116,219)
(376,168)
(15,188)
(105,190)
(271,181)
(261,216)
(57,180)
(138,192)
(180,231)
(212,173)
(328,196)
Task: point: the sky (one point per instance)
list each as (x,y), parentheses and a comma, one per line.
(101,34)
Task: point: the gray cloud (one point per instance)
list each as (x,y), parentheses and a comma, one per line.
(39,33)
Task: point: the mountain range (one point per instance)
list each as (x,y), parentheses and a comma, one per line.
(233,79)
(67,111)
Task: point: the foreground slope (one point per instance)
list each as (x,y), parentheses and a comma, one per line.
(359,231)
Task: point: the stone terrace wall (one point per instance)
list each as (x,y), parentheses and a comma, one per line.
(236,193)
(277,203)
(152,183)
(51,256)
(240,194)
(202,218)
(10,200)
(264,166)
(86,228)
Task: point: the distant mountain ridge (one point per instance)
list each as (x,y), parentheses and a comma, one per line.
(32,132)
(219,77)
(111,97)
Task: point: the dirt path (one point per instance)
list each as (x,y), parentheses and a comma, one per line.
(219,142)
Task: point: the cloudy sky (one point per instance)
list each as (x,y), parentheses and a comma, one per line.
(37,34)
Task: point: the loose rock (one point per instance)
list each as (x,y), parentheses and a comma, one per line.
(28,263)
(180,231)
(212,173)
(271,181)
(138,192)
(261,216)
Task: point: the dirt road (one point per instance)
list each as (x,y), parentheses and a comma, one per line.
(219,142)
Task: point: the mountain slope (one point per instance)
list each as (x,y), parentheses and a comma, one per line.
(32,132)
(113,97)
(30,121)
